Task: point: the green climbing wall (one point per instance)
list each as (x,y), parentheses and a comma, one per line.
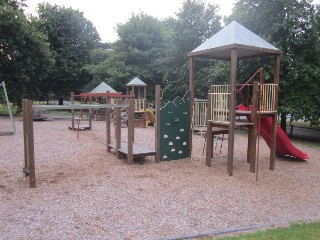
(174,129)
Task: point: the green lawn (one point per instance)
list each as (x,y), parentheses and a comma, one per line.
(4,110)
(300,231)
(303,124)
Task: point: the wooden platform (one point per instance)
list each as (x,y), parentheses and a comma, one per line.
(138,150)
(81,127)
(226,124)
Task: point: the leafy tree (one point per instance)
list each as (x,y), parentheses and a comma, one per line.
(195,22)
(25,57)
(289,25)
(111,69)
(72,38)
(138,52)
(16,4)
(141,43)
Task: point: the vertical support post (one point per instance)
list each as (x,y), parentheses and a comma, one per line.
(191,89)
(253,132)
(108,124)
(145,98)
(232,115)
(90,114)
(118,128)
(25,146)
(157,124)
(29,141)
(72,110)
(209,131)
(274,117)
(145,105)
(130,131)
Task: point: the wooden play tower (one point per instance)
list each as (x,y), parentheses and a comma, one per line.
(233,43)
(139,89)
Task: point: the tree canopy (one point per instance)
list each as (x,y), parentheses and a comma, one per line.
(25,56)
(72,38)
(291,26)
(59,51)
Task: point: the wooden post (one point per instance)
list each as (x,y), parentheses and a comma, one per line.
(118,128)
(191,89)
(72,110)
(157,124)
(232,118)
(274,117)
(139,93)
(90,114)
(145,98)
(130,131)
(253,132)
(29,141)
(24,117)
(108,124)
(209,132)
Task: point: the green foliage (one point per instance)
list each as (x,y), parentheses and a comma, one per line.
(141,44)
(111,69)
(16,4)
(25,57)
(195,23)
(290,25)
(138,52)
(72,38)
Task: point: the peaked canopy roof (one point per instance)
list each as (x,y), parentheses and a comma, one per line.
(103,88)
(234,36)
(136,82)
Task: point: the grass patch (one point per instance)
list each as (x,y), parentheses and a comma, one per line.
(4,110)
(299,231)
(306,142)
(303,124)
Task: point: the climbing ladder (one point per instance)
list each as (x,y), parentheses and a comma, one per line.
(9,110)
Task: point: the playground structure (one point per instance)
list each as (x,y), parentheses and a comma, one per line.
(233,43)
(3,85)
(173,135)
(97,113)
(28,108)
(169,144)
(171,132)
(141,116)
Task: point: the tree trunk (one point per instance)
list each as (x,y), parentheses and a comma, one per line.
(283,122)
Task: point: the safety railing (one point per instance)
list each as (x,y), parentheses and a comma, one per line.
(200,113)
(268,97)
(219,100)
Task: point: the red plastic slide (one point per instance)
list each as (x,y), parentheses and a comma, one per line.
(283,144)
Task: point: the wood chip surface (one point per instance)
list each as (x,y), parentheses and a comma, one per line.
(84,192)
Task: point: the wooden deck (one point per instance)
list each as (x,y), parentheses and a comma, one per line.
(138,150)
(81,127)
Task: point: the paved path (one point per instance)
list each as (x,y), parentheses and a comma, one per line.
(309,133)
